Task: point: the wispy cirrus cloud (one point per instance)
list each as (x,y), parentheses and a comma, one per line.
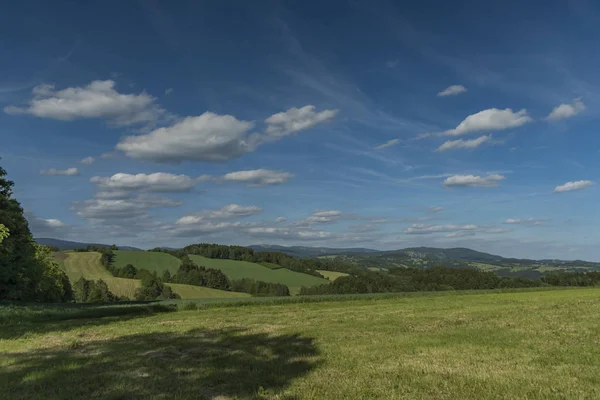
(452,91)
(64,172)
(464,144)
(488,181)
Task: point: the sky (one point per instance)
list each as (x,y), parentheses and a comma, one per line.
(377,124)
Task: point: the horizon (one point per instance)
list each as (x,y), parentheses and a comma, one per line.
(348,125)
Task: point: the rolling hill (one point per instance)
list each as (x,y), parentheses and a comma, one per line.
(150,260)
(242,269)
(87,265)
(69,245)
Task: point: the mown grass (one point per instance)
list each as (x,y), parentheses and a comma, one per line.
(88,266)
(242,269)
(150,260)
(331,275)
(539,344)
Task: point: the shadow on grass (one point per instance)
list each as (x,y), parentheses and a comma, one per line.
(17,320)
(198,364)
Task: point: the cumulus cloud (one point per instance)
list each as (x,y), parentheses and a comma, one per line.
(258,177)
(280,219)
(66,172)
(296,120)
(230,211)
(88,160)
(41,227)
(99,99)
(155,182)
(434,209)
(492,119)
(464,144)
(216,138)
(452,90)
(324,216)
(526,221)
(121,210)
(474,181)
(575,185)
(566,110)
(423,229)
(387,144)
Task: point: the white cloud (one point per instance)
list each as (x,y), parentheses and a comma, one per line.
(566,110)
(490,120)
(296,120)
(464,144)
(121,210)
(99,99)
(474,181)
(387,144)
(88,160)
(324,216)
(434,209)
(422,229)
(208,137)
(41,227)
(576,185)
(230,211)
(258,177)
(460,234)
(452,91)
(217,138)
(288,233)
(110,154)
(168,90)
(113,194)
(526,221)
(156,182)
(66,172)
(280,219)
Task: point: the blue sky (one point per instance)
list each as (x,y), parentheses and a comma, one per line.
(345,124)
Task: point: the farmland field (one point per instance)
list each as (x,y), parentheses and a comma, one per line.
(242,269)
(88,266)
(522,345)
(331,275)
(150,260)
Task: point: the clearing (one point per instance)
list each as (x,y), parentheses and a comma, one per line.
(150,260)
(88,266)
(331,275)
(243,269)
(452,346)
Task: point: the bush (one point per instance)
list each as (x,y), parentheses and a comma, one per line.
(189,306)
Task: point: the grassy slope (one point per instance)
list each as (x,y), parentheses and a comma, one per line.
(331,275)
(242,269)
(152,261)
(87,265)
(534,345)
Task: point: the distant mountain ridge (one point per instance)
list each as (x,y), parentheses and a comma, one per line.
(304,251)
(69,245)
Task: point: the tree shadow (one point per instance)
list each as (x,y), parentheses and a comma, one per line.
(198,364)
(17,320)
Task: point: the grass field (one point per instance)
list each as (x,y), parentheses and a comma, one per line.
(331,275)
(152,261)
(522,345)
(242,269)
(88,266)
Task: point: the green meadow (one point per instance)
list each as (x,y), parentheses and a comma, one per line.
(539,344)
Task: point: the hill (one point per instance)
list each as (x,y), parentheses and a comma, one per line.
(69,245)
(87,265)
(243,269)
(303,251)
(152,261)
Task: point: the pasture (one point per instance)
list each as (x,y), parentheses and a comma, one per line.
(539,344)
(242,269)
(150,260)
(87,265)
(331,275)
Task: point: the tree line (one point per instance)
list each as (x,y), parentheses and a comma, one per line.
(416,279)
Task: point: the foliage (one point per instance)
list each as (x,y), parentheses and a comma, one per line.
(154,289)
(88,291)
(590,278)
(259,288)
(415,279)
(27,271)
(4,233)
